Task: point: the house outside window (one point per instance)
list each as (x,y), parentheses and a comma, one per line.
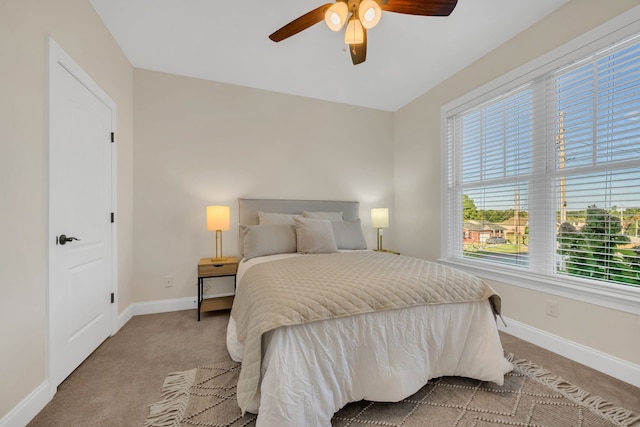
(543,173)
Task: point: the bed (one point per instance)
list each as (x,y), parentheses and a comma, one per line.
(320,321)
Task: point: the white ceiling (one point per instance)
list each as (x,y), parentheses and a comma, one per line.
(227,41)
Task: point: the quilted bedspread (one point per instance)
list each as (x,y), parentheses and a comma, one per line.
(316,287)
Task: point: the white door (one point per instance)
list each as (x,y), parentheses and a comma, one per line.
(80,206)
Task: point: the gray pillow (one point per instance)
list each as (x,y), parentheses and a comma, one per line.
(261,240)
(269,218)
(348,234)
(315,236)
(331,216)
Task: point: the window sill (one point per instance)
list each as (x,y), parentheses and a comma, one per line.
(617,297)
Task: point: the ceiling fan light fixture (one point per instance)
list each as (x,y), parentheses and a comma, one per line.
(354,33)
(370,13)
(361,16)
(336,16)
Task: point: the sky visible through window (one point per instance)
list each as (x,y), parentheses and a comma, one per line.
(598,116)
(599,108)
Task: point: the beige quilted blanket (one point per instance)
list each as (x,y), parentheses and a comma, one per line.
(309,288)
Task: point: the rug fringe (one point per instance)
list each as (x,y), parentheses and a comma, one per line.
(175,395)
(620,416)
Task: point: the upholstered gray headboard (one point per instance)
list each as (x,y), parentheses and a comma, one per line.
(248,209)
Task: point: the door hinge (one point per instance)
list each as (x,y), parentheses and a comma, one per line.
(113,297)
(113,137)
(113,217)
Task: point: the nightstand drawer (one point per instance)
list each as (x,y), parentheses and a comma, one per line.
(209,268)
(217,269)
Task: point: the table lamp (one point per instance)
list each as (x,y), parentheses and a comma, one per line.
(380,220)
(218,219)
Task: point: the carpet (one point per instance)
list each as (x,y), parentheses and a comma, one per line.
(530,396)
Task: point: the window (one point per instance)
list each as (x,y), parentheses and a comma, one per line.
(543,174)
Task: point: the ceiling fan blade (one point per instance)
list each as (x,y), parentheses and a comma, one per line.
(419,7)
(359,51)
(300,24)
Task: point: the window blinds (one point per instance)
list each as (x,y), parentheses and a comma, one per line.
(546,176)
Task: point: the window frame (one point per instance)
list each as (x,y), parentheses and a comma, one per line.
(619,297)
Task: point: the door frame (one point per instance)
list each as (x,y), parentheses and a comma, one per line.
(56,56)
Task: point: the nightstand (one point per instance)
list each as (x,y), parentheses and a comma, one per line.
(208,268)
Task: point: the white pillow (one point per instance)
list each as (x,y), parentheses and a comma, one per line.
(269,218)
(261,240)
(315,236)
(331,216)
(348,234)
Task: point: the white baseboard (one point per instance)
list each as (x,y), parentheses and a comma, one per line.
(26,410)
(152,307)
(606,363)
(163,306)
(123,318)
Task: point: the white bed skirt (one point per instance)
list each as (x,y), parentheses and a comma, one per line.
(311,371)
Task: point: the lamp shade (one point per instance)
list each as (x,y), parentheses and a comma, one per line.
(380,217)
(218,218)
(369,13)
(336,16)
(354,33)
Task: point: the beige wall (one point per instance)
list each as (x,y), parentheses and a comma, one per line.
(24,26)
(199,143)
(418,183)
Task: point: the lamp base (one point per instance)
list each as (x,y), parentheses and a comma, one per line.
(387,251)
(219,248)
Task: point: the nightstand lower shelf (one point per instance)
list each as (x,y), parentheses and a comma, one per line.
(219,303)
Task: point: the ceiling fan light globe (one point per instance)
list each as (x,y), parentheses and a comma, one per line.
(336,16)
(370,13)
(354,33)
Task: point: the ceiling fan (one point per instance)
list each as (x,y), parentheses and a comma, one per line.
(365,14)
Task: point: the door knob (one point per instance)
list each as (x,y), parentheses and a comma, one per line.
(63,239)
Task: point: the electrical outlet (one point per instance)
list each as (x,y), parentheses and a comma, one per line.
(168,281)
(551,308)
